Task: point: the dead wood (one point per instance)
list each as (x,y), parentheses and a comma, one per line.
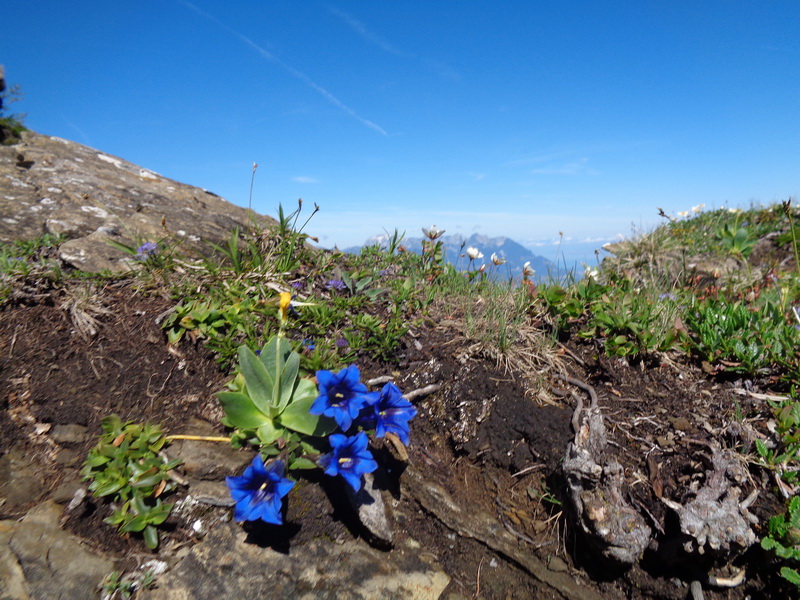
(595,482)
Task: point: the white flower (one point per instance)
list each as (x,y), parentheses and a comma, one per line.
(432,232)
(527,270)
(683,213)
(474,253)
(591,273)
(497,260)
(734,211)
(696,209)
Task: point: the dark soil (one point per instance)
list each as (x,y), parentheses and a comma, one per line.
(481,437)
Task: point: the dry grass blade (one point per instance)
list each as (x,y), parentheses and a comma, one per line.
(83,305)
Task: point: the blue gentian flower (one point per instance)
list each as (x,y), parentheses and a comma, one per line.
(389,414)
(309,344)
(341,396)
(145,251)
(349,458)
(259,491)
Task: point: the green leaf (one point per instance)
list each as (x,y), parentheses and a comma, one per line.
(159,513)
(258,380)
(297,418)
(288,377)
(268,433)
(110,487)
(273,356)
(240,410)
(151,537)
(95,460)
(761,448)
(137,523)
(150,481)
(302,463)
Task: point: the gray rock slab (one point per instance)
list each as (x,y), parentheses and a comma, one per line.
(52,185)
(224,565)
(39,560)
(68,434)
(204,460)
(372,510)
(19,481)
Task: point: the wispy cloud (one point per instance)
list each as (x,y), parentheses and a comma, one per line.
(365,33)
(357,26)
(303,179)
(289,69)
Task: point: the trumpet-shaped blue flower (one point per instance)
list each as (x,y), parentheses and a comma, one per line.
(341,396)
(349,458)
(259,491)
(389,414)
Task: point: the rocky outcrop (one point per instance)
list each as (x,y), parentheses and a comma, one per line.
(225,566)
(40,560)
(51,185)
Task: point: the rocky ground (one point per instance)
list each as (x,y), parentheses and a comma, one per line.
(480,510)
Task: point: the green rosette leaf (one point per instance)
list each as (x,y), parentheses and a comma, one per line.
(241,411)
(258,379)
(297,418)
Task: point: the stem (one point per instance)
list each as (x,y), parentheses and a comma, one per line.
(250,199)
(788,211)
(198,438)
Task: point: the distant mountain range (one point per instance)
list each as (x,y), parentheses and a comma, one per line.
(515,254)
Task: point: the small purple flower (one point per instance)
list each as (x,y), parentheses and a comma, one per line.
(667,296)
(336,284)
(341,396)
(259,491)
(341,343)
(145,251)
(298,285)
(349,457)
(389,414)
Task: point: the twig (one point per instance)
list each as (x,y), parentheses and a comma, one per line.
(164,315)
(727,582)
(584,386)
(478,580)
(151,395)
(529,469)
(13,341)
(379,380)
(574,356)
(428,389)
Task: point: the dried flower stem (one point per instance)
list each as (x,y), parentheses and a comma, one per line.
(199,438)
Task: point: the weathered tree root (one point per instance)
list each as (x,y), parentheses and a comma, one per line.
(716,520)
(595,488)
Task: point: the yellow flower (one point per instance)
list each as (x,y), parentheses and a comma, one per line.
(283,305)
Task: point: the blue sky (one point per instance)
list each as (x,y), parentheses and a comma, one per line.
(516,118)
